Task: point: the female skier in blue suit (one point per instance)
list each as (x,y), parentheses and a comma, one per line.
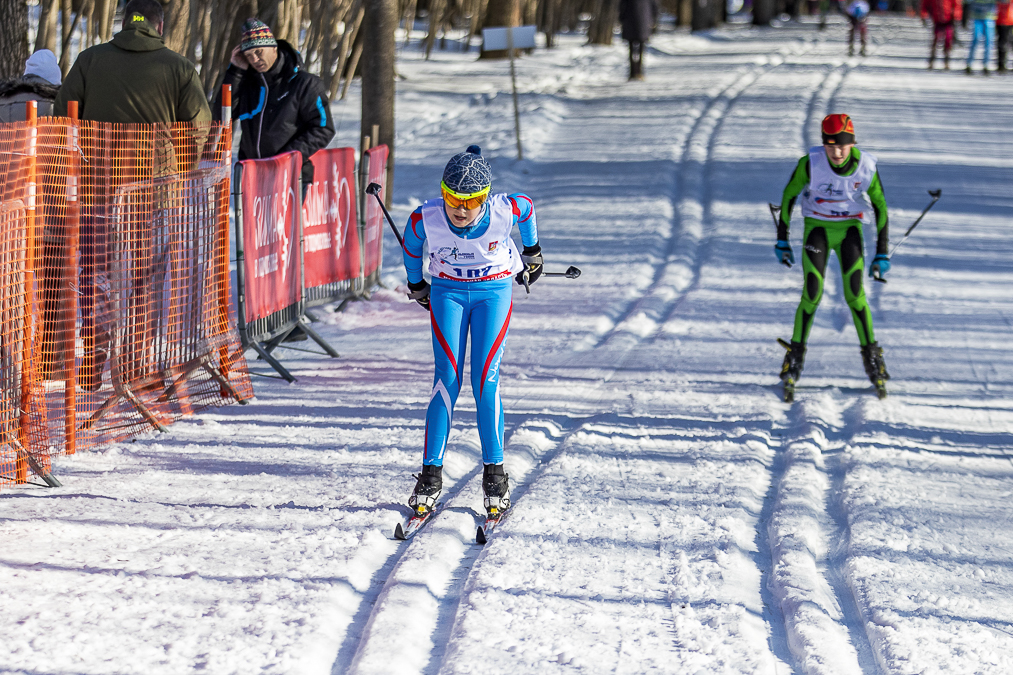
(472,261)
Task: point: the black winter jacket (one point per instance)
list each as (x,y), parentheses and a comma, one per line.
(16,92)
(284,109)
(637,18)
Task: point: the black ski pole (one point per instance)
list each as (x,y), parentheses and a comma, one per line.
(935,194)
(374,189)
(570,273)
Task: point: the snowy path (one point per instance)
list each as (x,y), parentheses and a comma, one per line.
(672,515)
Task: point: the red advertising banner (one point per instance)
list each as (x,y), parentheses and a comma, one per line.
(330,235)
(373,238)
(270,204)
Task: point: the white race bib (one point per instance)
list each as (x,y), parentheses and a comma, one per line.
(832,197)
(491,256)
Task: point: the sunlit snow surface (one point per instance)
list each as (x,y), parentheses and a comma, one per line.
(672,514)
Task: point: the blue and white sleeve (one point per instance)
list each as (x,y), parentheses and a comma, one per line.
(524,217)
(414,239)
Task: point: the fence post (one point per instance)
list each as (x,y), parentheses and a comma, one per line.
(223,233)
(302,242)
(237,202)
(73,235)
(363,181)
(28,314)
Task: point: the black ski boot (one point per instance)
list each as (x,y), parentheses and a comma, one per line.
(427,490)
(496,485)
(875,367)
(791,368)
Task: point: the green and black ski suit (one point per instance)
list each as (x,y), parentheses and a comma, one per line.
(833,223)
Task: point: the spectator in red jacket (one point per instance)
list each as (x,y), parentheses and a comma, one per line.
(1003,25)
(943,13)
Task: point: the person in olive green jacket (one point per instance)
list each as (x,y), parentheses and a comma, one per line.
(134,79)
(833,181)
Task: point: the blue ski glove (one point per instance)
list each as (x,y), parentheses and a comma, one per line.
(880,266)
(785,256)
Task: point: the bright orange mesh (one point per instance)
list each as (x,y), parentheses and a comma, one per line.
(129,309)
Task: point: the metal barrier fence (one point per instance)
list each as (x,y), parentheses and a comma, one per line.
(114,284)
(291,258)
(375,171)
(331,233)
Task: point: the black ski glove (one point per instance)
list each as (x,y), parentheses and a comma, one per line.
(532,259)
(420,293)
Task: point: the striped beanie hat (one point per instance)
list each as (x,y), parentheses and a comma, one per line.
(256,34)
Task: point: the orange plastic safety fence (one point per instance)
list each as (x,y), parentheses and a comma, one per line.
(130,302)
(23,444)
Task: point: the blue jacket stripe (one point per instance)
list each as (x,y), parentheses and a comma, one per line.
(260,106)
(323,113)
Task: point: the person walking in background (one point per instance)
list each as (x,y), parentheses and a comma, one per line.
(280,106)
(637,18)
(41,82)
(857,12)
(982,13)
(832,181)
(133,79)
(1003,25)
(944,14)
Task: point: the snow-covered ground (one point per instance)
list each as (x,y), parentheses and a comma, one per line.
(672,514)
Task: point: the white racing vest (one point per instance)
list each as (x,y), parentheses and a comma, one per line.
(832,197)
(491,256)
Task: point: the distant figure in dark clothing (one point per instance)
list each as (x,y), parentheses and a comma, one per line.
(638,18)
(279,106)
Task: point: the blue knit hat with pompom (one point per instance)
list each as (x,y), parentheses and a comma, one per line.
(467,172)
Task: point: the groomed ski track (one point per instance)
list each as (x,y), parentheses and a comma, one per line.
(671,514)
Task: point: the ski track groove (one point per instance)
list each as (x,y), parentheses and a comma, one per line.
(810,459)
(460,588)
(458,493)
(684,237)
(546,458)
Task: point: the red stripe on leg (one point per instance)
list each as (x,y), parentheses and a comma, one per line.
(443,343)
(495,348)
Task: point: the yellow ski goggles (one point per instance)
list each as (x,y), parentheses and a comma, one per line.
(457,201)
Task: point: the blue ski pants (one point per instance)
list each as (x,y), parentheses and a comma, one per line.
(984,30)
(483,310)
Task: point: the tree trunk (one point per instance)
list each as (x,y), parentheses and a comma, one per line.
(13,37)
(226,25)
(45,38)
(66,27)
(177,26)
(501,13)
(378,54)
(603,24)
